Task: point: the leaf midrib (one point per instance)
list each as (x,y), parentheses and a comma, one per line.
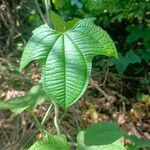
(64,68)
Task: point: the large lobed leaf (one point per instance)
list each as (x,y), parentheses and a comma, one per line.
(66,58)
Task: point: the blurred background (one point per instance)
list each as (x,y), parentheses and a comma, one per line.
(126,79)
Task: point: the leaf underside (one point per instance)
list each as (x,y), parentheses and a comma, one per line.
(66,58)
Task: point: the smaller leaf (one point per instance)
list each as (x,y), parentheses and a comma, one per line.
(123,62)
(135,33)
(51,142)
(102,133)
(109,133)
(59,24)
(29,101)
(120,64)
(117,145)
(132,57)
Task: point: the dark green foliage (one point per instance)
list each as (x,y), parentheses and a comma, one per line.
(123,62)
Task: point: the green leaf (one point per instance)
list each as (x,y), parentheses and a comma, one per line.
(132,58)
(123,62)
(106,136)
(117,145)
(144,54)
(66,58)
(59,24)
(51,142)
(29,101)
(135,33)
(102,133)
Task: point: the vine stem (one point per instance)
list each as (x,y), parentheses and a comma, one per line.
(48,11)
(46,114)
(56,117)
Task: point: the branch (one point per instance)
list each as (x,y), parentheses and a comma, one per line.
(100,90)
(40,11)
(106,75)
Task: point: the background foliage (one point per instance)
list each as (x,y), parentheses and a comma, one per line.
(126,21)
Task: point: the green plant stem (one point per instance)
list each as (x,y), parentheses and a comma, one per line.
(48,11)
(46,114)
(56,117)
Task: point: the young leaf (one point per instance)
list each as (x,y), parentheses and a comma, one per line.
(66,58)
(51,142)
(102,133)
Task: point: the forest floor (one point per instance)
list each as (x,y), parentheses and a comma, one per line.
(17,132)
